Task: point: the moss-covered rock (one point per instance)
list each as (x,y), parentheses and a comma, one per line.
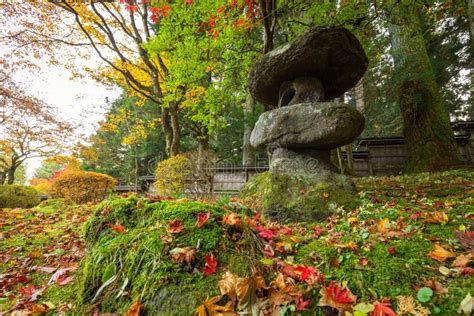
(286,198)
(136,265)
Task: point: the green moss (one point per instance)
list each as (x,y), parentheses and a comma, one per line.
(285,198)
(141,261)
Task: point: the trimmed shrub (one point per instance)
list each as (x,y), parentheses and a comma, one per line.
(82,186)
(18,196)
(171,175)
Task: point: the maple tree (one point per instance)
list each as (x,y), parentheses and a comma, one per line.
(30,128)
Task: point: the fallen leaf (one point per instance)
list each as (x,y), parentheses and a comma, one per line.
(440,254)
(209,307)
(467,305)
(383,309)
(286,231)
(134,309)
(231,219)
(302,304)
(202,218)
(284,247)
(211,265)
(309,274)
(382,225)
(392,250)
(267,234)
(463,260)
(183,255)
(466,239)
(228,284)
(336,297)
(175,226)
(437,287)
(436,218)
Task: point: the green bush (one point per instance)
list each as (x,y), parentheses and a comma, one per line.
(18,196)
(82,186)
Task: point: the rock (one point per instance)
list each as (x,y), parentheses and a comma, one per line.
(289,198)
(331,54)
(301,90)
(324,125)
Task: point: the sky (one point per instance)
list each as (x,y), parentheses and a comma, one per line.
(79,101)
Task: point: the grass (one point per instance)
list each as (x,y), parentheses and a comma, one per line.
(376,262)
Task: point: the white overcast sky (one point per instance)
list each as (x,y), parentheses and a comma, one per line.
(79,101)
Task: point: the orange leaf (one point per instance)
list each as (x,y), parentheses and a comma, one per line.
(437,217)
(440,254)
(231,219)
(134,309)
(462,261)
(209,307)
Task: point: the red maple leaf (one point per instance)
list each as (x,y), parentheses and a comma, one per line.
(266,233)
(438,204)
(210,266)
(301,304)
(286,231)
(383,309)
(415,216)
(118,228)
(175,226)
(392,250)
(188,1)
(309,274)
(27,291)
(202,218)
(318,230)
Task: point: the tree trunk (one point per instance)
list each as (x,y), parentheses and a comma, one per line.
(429,139)
(167,130)
(174,149)
(247,150)
(11,175)
(359,96)
(470,13)
(3,177)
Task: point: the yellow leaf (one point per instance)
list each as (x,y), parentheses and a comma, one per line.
(382,225)
(440,254)
(352,220)
(437,218)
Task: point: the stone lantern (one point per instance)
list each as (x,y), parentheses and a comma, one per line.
(296,83)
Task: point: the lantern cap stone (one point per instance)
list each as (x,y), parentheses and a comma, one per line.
(331,54)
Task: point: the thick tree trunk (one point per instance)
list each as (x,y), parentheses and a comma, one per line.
(11,175)
(3,177)
(247,149)
(429,139)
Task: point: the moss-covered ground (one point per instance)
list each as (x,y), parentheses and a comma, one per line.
(407,247)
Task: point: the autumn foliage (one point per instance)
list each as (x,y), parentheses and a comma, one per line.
(18,196)
(171,175)
(82,186)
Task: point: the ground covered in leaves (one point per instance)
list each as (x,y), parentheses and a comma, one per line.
(406,250)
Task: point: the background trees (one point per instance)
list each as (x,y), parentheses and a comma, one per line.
(183,69)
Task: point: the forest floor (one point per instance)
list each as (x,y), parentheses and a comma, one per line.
(408,249)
